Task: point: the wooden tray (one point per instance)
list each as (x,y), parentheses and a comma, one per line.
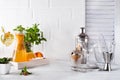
(30,64)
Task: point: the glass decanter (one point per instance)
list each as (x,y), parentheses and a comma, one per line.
(20,54)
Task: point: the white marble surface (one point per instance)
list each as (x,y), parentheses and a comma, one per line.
(61,70)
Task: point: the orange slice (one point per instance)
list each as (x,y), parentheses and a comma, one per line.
(38,54)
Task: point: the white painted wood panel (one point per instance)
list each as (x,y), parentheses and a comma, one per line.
(117,31)
(100,18)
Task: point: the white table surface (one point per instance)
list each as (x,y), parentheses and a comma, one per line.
(61,70)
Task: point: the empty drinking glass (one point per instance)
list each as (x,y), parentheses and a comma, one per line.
(104,52)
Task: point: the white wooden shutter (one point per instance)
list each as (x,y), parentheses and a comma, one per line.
(100,18)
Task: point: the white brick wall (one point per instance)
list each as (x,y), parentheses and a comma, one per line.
(66,3)
(14,3)
(59,19)
(39,3)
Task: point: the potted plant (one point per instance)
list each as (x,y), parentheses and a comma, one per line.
(4,65)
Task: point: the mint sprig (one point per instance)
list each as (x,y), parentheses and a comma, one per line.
(24,71)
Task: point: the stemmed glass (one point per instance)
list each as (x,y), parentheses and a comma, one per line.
(104,52)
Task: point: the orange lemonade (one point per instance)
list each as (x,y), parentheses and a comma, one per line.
(20,54)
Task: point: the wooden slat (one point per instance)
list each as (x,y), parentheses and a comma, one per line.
(89,16)
(100,7)
(100,0)
(109,29)
(99,25)
(100,20)
(96,3)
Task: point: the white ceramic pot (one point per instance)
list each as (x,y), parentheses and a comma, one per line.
(4,68)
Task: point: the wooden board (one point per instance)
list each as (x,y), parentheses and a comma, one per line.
(30,64)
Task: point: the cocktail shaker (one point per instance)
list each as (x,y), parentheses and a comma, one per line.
(83,40)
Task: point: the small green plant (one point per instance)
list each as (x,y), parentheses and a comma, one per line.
(24,71)
(19,28)
(4,60)
(33,35)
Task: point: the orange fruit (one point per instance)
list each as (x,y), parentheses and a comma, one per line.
(38,54)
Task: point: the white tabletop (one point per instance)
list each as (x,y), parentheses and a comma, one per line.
(61,70)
